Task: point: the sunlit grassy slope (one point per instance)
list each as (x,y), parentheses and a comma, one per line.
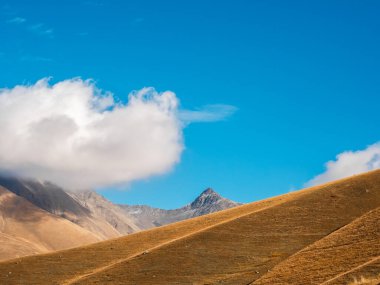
(256,242)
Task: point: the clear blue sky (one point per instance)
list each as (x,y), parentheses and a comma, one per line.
(304,75)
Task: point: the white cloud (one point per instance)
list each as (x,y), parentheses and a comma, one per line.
(76,136)
(349,163)
(208,113)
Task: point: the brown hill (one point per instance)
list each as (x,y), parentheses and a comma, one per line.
(26,229)
(336,259)
(236,246)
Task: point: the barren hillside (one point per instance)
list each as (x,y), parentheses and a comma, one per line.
(242,245)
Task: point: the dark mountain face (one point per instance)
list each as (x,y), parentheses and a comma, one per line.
(46,196)
(86,209)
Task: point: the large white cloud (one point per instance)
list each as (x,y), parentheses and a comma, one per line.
(349,163)
(76,136)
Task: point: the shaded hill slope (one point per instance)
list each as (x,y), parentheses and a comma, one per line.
(235,246)
(31,230)
(81,209)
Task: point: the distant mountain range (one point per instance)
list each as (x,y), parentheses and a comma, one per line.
(207,202)
(87,216)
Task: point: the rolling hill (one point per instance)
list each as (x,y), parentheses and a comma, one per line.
(321,235)
(336,259)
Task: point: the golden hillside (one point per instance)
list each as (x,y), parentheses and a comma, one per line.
(317,235)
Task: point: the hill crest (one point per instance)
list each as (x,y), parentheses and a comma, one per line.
(234,246)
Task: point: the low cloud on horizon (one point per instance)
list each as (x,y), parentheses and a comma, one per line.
(349,163)
(73,134)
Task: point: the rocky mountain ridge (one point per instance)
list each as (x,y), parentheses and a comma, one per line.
(207,202)
(99,218)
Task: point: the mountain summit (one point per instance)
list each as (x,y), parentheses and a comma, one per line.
(207,197)
(88,216)
(210,201)
(207,202)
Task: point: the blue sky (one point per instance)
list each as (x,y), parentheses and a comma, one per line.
(303,75)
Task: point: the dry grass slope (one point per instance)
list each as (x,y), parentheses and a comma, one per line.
(366,281)
(235,246)
(331,259)
(366,272)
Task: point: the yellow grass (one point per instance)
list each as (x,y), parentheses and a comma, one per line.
(244,245)
(366,281)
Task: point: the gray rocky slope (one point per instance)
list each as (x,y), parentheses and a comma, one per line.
(207,202)
(99,216)
(103,218)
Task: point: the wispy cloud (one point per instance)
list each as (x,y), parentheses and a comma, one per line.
(349,163)
(41,29)
(38,29)
(16,20)
(33,58)
(208,113)
(7,9)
